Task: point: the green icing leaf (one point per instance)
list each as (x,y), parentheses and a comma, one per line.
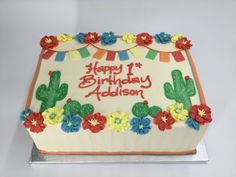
(72,107)
(154,110)
(140,109)
(86,109)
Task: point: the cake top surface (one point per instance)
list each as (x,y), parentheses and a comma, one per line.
(121,82)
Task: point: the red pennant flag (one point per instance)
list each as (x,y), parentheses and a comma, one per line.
(46,55)
(178,56)
(111,55)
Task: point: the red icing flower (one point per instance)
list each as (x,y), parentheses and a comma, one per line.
(94,122)
(183,43)
(144,39)
(91,38)
(48,42)
(163,120)
(201,113)
(35,122)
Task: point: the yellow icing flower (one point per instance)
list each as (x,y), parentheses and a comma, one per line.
(65,37)
(178,112)
(176,37)
(128,38)
(53,116)
(118,121)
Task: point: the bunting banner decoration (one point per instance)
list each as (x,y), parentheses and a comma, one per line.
(151,54)
(99,54)
(47,54)
(109,55)
(164,57)
(60,56)
(84,52)
(178,56)
(123,55)
(135,52)
(74,55)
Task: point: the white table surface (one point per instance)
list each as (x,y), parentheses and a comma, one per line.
(211,25)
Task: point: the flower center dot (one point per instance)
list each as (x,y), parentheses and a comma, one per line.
(69,124)
(52,115)
(164,119)
(93,122)
(141,126)
(34,122)
(177,110)
(91,36)
(48,41)
(117,120)
(143,37)
(201,112)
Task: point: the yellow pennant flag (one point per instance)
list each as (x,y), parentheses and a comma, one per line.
(135,52)
(74,55)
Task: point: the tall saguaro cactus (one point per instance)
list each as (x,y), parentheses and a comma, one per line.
(53,93)
(183,89)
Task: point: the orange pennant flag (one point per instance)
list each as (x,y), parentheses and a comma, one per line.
(164,57)
(99,54)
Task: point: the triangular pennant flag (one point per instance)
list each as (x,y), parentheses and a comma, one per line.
(99,54)
(151,54)
(178,56)
(74,55)
(135,52)
(123,55)
(164,56)
(84,52)
(47,54)
(111,55)
(60,56)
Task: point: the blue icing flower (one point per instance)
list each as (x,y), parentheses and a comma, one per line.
(163,38)
(108,38)
(24,114)
(140,125)
(80,37)
(71,123)
(192,124)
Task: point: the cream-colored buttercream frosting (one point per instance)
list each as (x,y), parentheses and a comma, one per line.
(179,138)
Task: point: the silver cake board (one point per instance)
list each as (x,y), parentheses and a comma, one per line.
(201,156)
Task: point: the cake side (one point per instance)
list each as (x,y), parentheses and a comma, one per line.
(119,97)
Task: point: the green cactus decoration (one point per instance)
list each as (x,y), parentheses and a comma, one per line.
(72,107)
(183,89)
(53,93)
(140,109)
(86,109)
(154,110)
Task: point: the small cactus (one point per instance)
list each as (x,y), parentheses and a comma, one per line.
(72,107)
(52,93)
(86,109)
(154,110)
(140,109)
(182,91)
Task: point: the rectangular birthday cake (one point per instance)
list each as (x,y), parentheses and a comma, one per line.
(110,94)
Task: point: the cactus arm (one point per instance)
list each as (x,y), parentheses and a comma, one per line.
(41,92)
(54,81)
(190,87)
(169,92)
(62,92)
(178,81)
